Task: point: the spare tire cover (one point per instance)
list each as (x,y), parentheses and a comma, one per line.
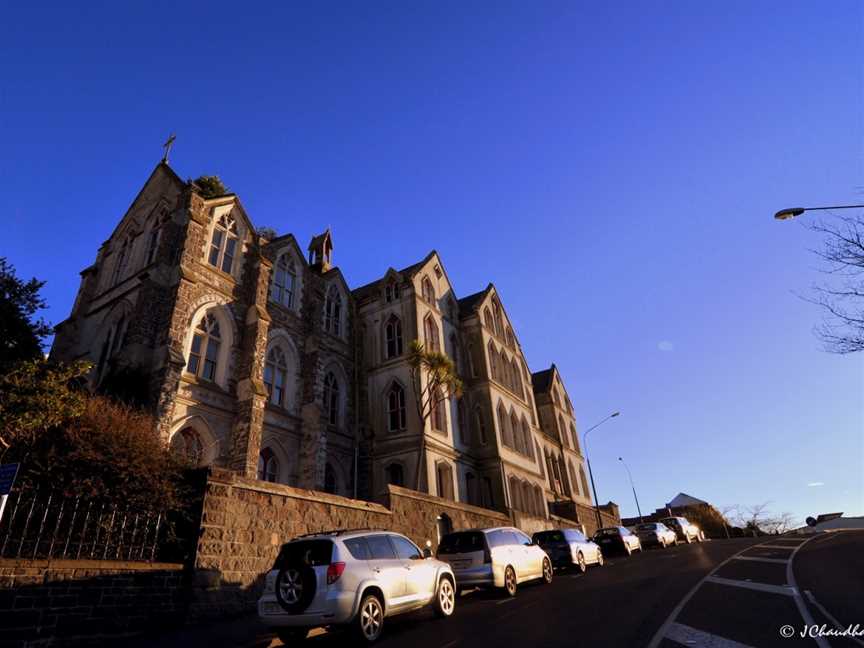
(295,587)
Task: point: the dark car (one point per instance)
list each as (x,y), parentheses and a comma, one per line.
(656,533)
(613,539)
(684,529)
(569,548)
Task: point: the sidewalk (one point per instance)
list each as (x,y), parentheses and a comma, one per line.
(239,632)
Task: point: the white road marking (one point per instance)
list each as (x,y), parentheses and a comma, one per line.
(688,636)
(786,547)
(781,561)
(452,643)
(507,600)
(829,616)
(799,601)
(788,590)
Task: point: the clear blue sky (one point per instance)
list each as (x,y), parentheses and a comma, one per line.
(612,169)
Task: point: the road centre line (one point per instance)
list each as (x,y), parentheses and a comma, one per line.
(781,561)
(688,636)
(787,547)
(753,585)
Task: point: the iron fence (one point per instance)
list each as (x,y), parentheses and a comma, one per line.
(48,524)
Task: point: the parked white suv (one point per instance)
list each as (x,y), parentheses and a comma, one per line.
(357,578)
(499,557)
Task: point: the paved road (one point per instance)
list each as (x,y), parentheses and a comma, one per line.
(725,594)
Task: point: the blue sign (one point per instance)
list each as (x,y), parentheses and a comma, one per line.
(7,477)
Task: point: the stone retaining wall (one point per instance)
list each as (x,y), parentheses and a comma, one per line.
(63,602)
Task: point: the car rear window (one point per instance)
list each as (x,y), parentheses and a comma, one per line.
(305,552)
(608,532)
(574,536)
(549,536)
(358,548)
(462,542)
(646,527)
(671,522)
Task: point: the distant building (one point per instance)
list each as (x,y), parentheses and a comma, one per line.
(694,509)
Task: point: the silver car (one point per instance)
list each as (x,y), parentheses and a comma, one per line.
(656,533)
(569,548)
(684,529)
(500,557)
(351,578)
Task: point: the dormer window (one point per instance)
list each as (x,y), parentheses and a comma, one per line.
(391,292)
(333,311)
(223,245)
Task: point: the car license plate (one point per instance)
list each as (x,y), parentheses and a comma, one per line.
(461,564)
(272,608)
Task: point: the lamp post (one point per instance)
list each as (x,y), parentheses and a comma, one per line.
(633,487)
(792,212)
(588,461)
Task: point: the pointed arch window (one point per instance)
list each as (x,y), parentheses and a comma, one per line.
(427,290)
(584,482)
(188,446)
(395,408)
(499,323)
(439,413)
(526,434)
(511,341)
(331,398)
(430,331)
(275,375)
(539,455)
(393,337)
(575,438)
(575,483)
(480,425)
(268,466)
(518,441)
(444,480)
(487,318)
(493,361)
(562,431)
(121,263)
(223,244)
(333,311)
(204,352)
(463,422)
(391,291)
(504,424)
(284,281)
(152,244)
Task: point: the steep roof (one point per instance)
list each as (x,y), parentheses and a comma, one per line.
(683,499)
(541,381)
(406,272)
(468,305)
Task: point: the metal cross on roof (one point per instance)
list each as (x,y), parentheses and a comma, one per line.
(167,146)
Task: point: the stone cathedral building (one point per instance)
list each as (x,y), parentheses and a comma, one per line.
(256,355)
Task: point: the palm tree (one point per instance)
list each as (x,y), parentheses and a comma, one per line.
(434,380)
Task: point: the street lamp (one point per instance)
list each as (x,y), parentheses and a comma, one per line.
(792,212)
(588,460)
(633,487)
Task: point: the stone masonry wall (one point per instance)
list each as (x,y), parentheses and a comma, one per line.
(66,602)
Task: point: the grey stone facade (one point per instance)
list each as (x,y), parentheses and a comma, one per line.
(260,359)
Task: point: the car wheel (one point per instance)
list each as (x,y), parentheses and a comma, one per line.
(580,563)
(547,570)
(290,636)
(700,537)
(689,539)
(370,619)
(445,600)
(510,581)
(599,558)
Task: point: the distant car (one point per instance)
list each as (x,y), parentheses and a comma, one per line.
(617,539)
(500,557)
(684,529)
(358,578)
(656,533)
(569,548)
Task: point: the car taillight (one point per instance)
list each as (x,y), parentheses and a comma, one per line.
(334,571)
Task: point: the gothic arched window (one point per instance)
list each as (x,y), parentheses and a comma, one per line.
(395,408)
(391,291)
(427,291)
(572,471)
(331,398)
(487,318)
(333,311)
(575,438)
(204,352)
(463,422)
(393,337)
(493,361)
(480,425)
(187,445)
(584,482)
(284,281)
(268,466)
(504,424)
(275,375)
(223,244)
(439,415)
(430,330)
(499,323)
